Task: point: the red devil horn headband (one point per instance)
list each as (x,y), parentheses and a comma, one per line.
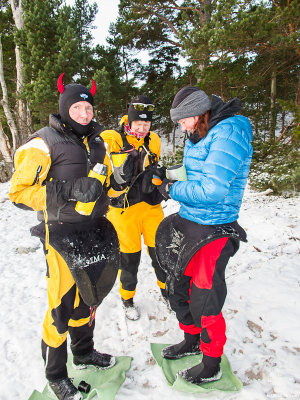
(60,85)
(61,88)
(93,88)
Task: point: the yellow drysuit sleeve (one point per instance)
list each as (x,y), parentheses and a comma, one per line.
(32,163)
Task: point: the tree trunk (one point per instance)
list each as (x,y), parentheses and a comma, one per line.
(21,113)
(126,77)
(297,100)
(174,130)
(5,146)
(282,120)
(273,107)
(28,120)
(204,18)
(6,171)
(8,114)
(21,107)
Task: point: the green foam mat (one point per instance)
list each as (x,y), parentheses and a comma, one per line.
(228,382)
(105,383)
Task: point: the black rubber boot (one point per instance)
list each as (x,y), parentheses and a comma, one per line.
(207,371)
(189,346)
(94,359)
(131,311)
(64,389)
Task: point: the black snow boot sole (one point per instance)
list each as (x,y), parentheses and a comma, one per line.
(200,374)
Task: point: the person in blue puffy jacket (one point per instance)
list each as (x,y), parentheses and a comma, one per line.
(195,244)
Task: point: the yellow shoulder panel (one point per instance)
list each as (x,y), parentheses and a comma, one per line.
(32,163)
(113,139)
(155,143)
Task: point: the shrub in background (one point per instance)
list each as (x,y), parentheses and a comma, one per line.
(173,159)
(275,166)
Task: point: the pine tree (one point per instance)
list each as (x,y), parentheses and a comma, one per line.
(7,40)
(55,39)
(264,34)
(8,127)
(147,26)
(111,95)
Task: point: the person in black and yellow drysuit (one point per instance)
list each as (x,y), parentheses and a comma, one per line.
(51,176)
(135,208)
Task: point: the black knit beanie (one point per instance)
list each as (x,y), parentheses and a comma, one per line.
(72,94)
(135,115)
(189,102)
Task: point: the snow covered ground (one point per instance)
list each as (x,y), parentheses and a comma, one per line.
(261,310)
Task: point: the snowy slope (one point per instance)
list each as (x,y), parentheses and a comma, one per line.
(262,309)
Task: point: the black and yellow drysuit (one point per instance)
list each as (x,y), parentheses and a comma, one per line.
(51,158)
(133,211)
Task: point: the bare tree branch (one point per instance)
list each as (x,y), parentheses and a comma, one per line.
(286,130)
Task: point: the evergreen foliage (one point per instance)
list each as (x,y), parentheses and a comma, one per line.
(247,44)
(275,167)
(55,39)
(244,48)
(7,40)
(174,159)
(139,27)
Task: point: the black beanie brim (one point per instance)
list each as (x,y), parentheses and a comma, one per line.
(135,115)
(72,94)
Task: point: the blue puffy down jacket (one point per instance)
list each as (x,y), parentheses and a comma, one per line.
(217,169)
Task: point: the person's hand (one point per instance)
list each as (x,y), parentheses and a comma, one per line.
(85,190)
(153,176)
(165,187)
(160,172)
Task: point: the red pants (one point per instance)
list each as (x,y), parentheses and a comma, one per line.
(200,295)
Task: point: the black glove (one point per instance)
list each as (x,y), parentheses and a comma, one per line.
(152,172)
(83,189)
(165,188)
(160,172)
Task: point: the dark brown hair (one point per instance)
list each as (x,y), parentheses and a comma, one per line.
(202,125)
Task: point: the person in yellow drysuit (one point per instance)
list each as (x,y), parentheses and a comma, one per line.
(135,208)
(51,176)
